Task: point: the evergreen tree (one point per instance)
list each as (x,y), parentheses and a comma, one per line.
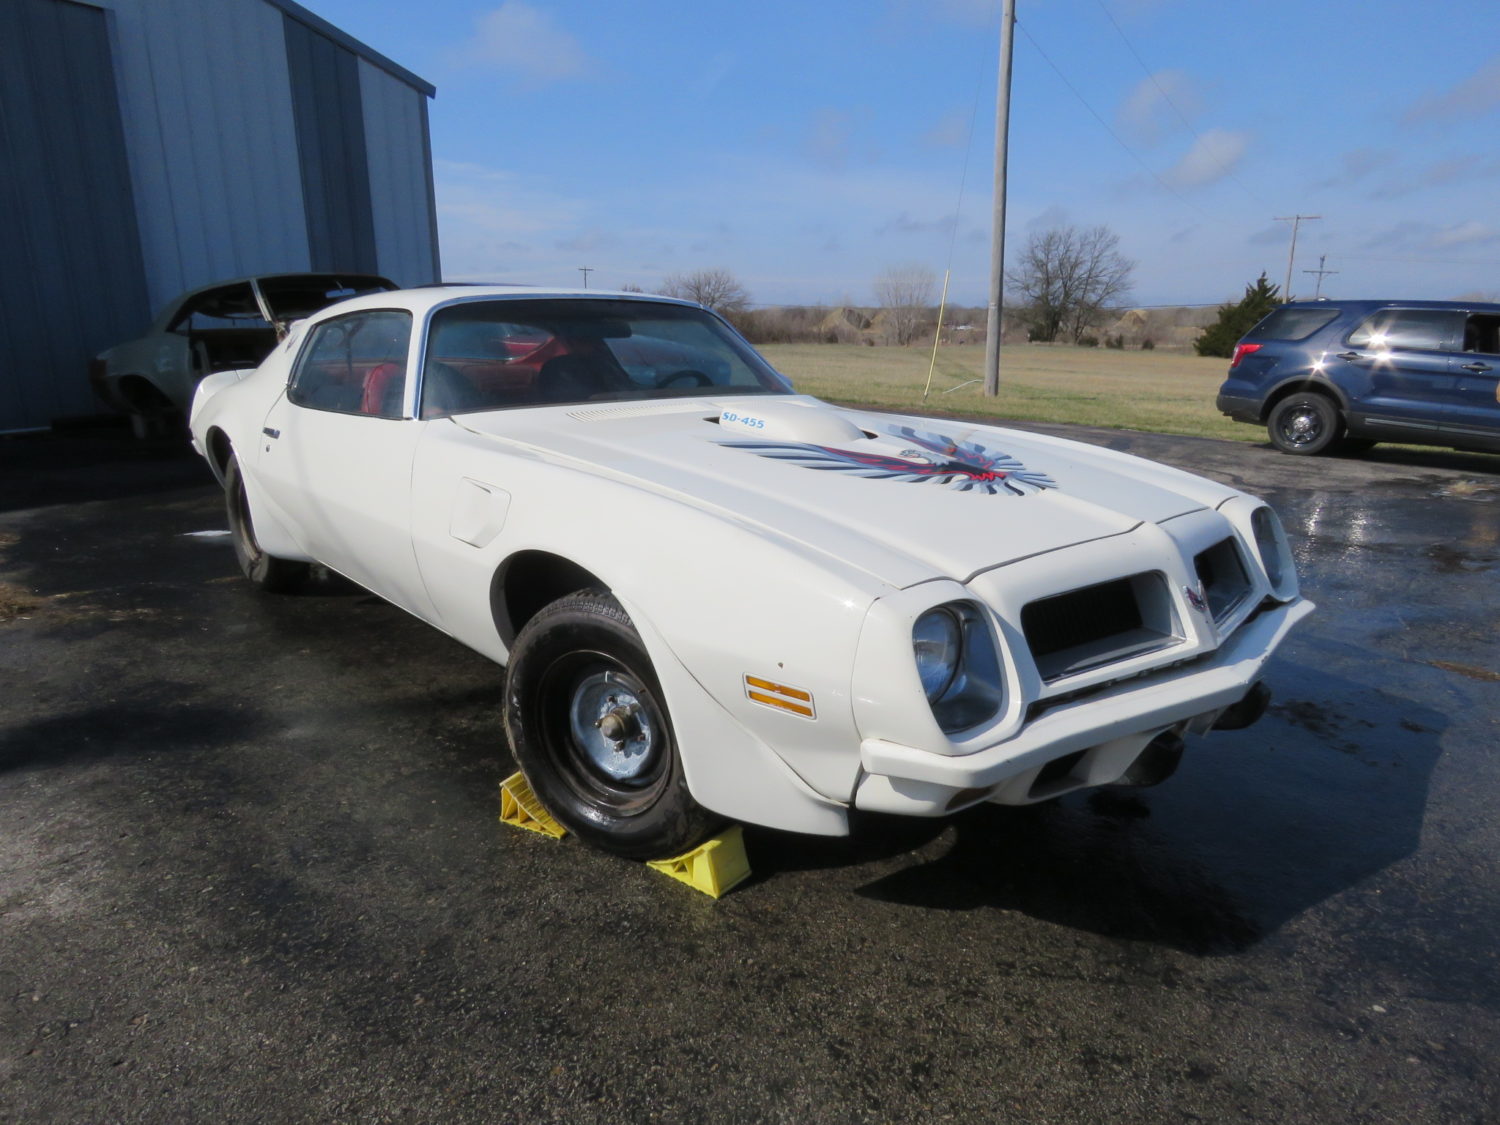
(1235,320)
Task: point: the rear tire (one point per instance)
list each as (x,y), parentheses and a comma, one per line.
(1305,424)
(275,576)
(589,728)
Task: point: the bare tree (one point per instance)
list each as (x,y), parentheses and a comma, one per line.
(719,290)
(1066,276)
(905,293)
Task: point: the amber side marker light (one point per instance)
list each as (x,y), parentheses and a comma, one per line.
(780,696)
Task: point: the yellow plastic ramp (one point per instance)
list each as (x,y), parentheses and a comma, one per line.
(519,806)
(713,867)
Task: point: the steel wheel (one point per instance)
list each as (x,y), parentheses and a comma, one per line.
(590,730)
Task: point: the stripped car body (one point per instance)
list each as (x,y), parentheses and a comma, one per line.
(716,594)
(219,327)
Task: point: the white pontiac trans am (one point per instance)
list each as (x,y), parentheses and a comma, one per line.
(717,598)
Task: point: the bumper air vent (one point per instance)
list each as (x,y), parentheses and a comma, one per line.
(1098,625)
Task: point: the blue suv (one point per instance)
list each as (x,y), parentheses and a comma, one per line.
(1326,375)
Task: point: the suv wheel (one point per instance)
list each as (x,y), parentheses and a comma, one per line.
(1306,424)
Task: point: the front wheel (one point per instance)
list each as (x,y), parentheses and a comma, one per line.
(1306,424)
(590,730)
(275,576)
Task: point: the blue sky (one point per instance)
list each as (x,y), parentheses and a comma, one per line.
(807,146)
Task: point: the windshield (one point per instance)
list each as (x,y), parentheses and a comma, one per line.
(495,355)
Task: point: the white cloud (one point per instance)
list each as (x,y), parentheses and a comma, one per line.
(1465,234)
(1476,95)
(952,131)
(523,40)
(1212,157)
(1147,112)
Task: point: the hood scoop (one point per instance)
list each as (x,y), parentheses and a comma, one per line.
(809,423)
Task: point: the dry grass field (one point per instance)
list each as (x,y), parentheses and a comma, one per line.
(1166,392)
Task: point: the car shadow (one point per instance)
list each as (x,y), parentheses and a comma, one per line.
(1257,826)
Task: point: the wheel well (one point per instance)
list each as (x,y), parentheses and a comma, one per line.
(219,452)
(144,396)
(1309,386)
(529,580)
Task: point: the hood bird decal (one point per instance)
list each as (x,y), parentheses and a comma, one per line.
(964,466)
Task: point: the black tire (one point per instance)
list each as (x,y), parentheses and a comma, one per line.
(578,665)
(275,576)
(1306,424)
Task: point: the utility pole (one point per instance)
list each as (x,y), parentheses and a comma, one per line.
(1296,221)
(585,270)
(997,238)
(1322,273)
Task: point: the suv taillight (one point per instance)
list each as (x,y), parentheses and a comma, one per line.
(1241,351)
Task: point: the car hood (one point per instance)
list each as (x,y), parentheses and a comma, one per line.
(905,499)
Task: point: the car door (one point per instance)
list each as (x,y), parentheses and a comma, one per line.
(1476,371)
(337,452)
(1402,355)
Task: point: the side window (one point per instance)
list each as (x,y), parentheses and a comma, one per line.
(1482,333)
(355,364)
(1432,330)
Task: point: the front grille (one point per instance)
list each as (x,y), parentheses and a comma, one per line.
(1112,621)
(1225,583)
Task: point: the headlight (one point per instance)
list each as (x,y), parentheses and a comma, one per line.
(937,639)
(958,665)
(1270,541)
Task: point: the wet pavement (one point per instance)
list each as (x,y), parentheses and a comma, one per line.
(250,867)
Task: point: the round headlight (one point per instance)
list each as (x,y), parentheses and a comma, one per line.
(937,641)
(1270,541)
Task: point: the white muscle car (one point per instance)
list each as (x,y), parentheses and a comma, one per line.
(716,598)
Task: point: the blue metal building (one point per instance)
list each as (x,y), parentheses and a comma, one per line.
(151,146)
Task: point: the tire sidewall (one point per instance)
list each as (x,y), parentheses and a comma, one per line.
(271,574)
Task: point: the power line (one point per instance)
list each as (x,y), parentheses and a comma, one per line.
(1106,127)
(1186,124)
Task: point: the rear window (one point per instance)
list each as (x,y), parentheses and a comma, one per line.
(1292,324)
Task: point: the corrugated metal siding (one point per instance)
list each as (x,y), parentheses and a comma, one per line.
(71,276)
(400,177)
(328,108)
(206,98)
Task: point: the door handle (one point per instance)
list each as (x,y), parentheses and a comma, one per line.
(270,432)
(1350,355)
(1474,367)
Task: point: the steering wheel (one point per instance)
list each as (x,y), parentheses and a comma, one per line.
(697,377)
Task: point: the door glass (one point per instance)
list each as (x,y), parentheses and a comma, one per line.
(1408,330)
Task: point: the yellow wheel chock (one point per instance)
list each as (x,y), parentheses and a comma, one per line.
(519,806)
(713,867)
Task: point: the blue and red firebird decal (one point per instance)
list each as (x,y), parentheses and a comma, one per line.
(964,466)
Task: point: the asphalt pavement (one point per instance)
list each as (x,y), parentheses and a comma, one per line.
(251,869)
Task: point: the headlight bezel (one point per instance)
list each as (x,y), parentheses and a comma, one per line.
(973,690)
(1270,541)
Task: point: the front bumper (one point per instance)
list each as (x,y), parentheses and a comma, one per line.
(1106,730)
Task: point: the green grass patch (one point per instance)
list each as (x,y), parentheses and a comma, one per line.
(1159,391)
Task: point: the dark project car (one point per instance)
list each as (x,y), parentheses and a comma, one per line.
(220,327)
(1328,375)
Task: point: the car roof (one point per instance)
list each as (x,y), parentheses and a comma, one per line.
(1369,305)
(423,299)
